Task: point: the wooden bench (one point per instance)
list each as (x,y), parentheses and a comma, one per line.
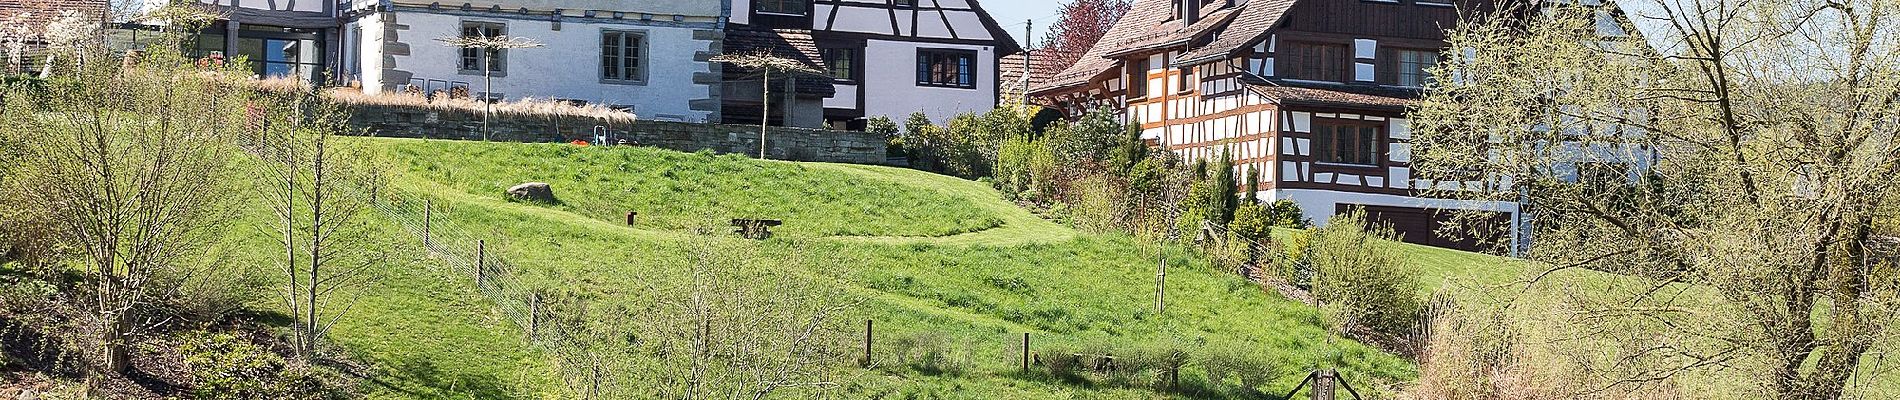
(755,229)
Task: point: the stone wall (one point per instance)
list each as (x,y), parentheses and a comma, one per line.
(794,144)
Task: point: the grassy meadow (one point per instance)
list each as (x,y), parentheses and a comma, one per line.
(931,256)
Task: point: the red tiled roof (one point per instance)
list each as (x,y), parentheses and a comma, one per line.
(1041,67)
(37,13)
(1299,93)
(1255,19)
(1149,24)
(1141,17)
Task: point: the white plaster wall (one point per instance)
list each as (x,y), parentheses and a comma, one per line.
(567,67)
(315,6)
(846,97)
(741,13)
(891,89)
(1319,205)
(370,49)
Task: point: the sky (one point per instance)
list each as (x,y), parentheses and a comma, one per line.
(1012,13)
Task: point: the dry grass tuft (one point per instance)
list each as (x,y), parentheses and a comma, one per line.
(530,107)
(1473,355)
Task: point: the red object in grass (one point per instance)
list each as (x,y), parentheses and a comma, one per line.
(581,143)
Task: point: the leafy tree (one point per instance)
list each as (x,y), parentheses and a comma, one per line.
(1253,187)
(1080,26)
(1742,149)
(1221,189)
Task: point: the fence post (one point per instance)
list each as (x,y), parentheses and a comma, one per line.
(867,343)
(481,262)
(1025,351)
(1161,286)
(427,211)
(534,313)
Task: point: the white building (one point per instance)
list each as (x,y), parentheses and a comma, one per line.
(646,56)
(892,58)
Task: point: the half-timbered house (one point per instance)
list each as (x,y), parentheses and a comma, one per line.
(892,58)
(1309,94)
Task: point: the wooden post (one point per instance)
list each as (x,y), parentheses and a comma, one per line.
(867,343)
(1025,351)
(1161,286)
(534,313)
(481,263)
(427,211)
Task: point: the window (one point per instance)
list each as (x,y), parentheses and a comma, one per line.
(474,59)
(1314,61)
(623,56)
(1185,81)
(1138,79)
(1346,142)
(841,63)
(946,68)
(793,7)
(1414,67)
(904,3)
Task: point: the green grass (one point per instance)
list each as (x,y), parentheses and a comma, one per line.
(673,190)
(421,333)
(930,254)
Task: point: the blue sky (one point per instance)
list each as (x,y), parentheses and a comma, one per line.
(1012,13)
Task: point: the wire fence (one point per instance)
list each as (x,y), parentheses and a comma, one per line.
(492,274)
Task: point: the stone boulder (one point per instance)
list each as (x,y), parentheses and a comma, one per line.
(533,191)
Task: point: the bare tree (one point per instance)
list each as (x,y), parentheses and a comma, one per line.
(130,163)
(1738,159)
(491,48)
(320,193)
(766,63)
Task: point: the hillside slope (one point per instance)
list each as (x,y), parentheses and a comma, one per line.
(932,256)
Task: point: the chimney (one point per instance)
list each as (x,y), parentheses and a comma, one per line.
(1192,11)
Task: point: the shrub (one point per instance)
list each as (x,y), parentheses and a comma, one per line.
(1295,262)
(1098,204)
(1361,273)
(224,366)
(1287,214)
(1095,139)
(1251,223)
(1061,361)
(1237,362)
(930,352)
(1152,365)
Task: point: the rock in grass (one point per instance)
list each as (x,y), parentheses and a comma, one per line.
(533,191)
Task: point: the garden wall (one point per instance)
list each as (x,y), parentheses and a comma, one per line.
(796,144)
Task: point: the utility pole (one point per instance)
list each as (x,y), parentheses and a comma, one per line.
(1029,29)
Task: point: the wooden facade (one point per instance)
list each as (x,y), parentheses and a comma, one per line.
(1310,94)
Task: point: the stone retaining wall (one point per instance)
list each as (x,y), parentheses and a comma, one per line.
(796,144)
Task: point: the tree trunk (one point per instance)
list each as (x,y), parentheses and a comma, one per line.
(117,359)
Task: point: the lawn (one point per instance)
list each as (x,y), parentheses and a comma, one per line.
(930,255)
(414,328)
(674,191)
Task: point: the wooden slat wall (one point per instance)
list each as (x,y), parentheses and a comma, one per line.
(1374,19)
